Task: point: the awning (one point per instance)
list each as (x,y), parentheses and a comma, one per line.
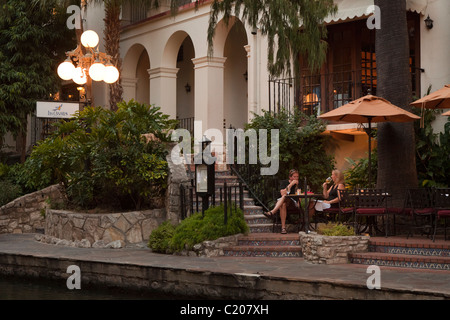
(353,9)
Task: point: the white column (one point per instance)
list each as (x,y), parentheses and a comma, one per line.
(163,88)
(209,91)
(129,88)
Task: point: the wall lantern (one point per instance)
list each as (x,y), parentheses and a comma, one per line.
(205,173)
(428,23)
(187,87)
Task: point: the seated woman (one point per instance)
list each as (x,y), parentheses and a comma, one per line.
(331,194)
(287,187)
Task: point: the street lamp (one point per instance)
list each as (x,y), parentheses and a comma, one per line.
(89,63)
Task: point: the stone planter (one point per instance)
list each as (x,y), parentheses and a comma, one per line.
(322,249)
(127,227)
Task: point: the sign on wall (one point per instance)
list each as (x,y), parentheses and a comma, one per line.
(51,109)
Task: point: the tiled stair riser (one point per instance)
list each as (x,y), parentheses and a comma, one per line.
(402,264)
(434,252)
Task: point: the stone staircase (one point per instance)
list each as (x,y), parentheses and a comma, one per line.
(261,240)
(418,253)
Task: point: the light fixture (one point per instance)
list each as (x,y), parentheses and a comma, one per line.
(97,71)
(89,39)
(94,64)
(79,76)
(187,87)
(66,70)
(428,23)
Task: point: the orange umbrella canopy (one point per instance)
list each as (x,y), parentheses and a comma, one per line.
(438,99)
(446,113)
(371,108)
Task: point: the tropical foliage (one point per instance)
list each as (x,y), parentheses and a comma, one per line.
(31,43)
(291,27)
(103,159)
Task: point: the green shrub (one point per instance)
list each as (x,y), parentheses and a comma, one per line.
(196,229)
(161,237)
(9,191)
(336,229)
(103,159)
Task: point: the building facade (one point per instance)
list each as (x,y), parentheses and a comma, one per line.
(166,62)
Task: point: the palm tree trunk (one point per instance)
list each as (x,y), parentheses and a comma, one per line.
(112,45)
(396,141)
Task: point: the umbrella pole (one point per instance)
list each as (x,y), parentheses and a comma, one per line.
(369,131)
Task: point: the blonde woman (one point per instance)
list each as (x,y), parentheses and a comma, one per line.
(331,194)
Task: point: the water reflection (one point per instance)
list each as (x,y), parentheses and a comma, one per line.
(14,288)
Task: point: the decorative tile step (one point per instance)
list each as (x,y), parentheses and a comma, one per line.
(411,246)
(253,210)
(247,201)
(260,228)
(264,251)
(252,219)
(270,239)
(400,260)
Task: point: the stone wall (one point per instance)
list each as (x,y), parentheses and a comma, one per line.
(319,249)
(26,214)
(126,227)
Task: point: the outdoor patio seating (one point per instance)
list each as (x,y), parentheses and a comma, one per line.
(371,204)
(401,215)
(420,201)
(441,199)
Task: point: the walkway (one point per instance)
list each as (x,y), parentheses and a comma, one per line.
(215,278)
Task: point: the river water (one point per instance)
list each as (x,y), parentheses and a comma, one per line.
(13,288)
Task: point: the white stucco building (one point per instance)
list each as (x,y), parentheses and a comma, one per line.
(166,63)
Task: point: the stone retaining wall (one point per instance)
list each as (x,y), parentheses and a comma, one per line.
(126,227)
(26,214)
(318,248)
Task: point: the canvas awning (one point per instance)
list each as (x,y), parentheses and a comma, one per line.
(353,9)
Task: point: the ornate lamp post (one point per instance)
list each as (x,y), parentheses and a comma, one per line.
(86,63)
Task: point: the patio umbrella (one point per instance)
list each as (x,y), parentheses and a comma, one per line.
(438,99)
(446,114)
(369,109)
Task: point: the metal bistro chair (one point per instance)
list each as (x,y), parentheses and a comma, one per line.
(371,204)
(420,202)
(441,199)
(347,206)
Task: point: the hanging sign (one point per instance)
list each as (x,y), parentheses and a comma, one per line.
(52,109)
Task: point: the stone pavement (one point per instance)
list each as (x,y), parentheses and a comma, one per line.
(216,278)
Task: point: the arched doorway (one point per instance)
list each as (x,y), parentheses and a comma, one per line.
(185,85)
(235,77)
(135,77)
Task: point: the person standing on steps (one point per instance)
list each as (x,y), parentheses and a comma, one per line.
(287,187)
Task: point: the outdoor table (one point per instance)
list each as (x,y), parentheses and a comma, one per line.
(307,198)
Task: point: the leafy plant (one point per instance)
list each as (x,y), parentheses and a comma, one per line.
(358,173)
(336,229)
(301,146)
(432,152)
(103,159)
(160,239)
(196,229)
